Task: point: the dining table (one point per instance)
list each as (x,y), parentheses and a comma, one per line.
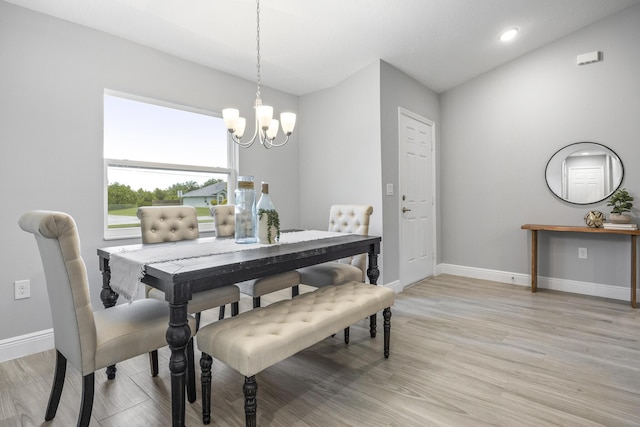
(183,274)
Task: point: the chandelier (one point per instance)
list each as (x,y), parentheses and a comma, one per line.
(266,128)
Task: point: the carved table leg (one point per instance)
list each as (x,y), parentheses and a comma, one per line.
(109,299)
(373,273)
(178,335)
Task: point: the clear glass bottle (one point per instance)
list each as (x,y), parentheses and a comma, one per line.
(268,221)
(245,210)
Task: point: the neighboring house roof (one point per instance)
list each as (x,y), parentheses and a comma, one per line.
(208,191)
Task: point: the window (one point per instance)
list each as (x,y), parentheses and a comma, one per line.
(161,154)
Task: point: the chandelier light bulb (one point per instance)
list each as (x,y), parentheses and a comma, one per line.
(288,121)
(266,128)
(273,129)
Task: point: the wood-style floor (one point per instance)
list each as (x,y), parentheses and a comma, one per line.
(464,352)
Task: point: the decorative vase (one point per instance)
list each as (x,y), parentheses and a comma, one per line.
(245,210)
(619,218)
(594,219)
(268,219)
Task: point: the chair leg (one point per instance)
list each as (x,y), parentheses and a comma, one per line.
(387,330)
(56,387)
(221,316)
(235,308)
(346,335)
(295,291)
(153,362)
(111,372)
(205,380)
(250,390)
(191,373)
(372,325)
(88,384)
(256,302)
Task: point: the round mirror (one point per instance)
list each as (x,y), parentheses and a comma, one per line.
(584,173)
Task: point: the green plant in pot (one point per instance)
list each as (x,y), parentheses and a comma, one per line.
(621,202)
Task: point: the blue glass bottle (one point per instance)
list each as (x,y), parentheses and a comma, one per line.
(245,210)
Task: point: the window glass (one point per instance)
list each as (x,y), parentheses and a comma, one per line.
(161,155)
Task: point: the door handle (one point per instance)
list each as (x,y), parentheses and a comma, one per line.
(405,210)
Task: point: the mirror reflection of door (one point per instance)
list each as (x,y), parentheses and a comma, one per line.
(585,184)
(584,173)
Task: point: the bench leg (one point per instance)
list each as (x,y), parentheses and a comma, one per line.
(250,390)
(387,330)
(372,325)
(346,335)
(205,379)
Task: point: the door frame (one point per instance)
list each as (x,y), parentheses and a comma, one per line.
(434,222)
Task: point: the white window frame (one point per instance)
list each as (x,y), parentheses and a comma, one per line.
(231,171)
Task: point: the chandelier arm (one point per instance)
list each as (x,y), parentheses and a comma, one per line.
(270,142)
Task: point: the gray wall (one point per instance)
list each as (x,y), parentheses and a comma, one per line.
(399,90)
(52,78)
(499,130)
(340,156)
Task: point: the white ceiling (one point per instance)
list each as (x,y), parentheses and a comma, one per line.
(311,45)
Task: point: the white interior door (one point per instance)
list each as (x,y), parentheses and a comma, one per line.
(417,208)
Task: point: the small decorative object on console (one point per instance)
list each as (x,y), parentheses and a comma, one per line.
(621,202)
(594,219)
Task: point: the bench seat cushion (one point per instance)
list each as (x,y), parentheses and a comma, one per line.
(257,339)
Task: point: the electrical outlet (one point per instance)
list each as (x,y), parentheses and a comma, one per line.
(582,253)
(22,289)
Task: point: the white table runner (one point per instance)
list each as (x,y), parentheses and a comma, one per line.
(127,266)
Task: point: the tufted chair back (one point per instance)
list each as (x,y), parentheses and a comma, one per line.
(168,223)
(67,285)
(351,219)
(224,220)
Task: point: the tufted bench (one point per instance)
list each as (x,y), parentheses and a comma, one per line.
(257,339)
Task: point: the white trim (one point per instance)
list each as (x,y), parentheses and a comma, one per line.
(24,345)
(396,286)
(621,292)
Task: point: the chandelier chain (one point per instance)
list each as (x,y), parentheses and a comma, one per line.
(258,46)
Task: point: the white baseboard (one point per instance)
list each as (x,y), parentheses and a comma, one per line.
(621,292)
(395,285)
(24,345)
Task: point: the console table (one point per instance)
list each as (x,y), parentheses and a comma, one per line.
(534,249)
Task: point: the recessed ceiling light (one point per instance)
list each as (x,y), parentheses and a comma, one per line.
(509,34)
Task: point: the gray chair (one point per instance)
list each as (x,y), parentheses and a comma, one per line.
(89,340)
(343,219)
(224,225)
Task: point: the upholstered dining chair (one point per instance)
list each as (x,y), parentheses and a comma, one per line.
(171,224)
(175,223)
(342,219)
(89,340)
(224,225)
